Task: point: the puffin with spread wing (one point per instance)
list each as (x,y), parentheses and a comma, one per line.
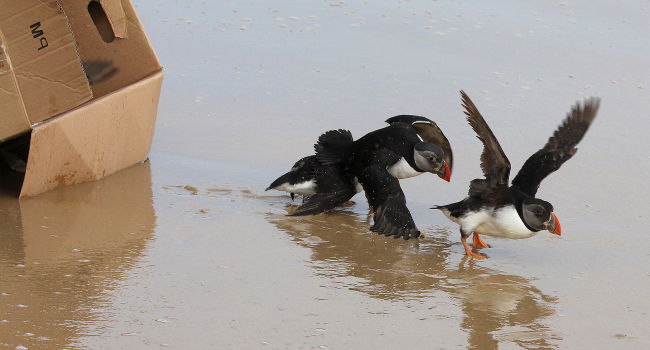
(409,146)
(496,209)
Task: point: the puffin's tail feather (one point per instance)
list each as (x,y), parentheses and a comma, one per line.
(332,145)
(282,179)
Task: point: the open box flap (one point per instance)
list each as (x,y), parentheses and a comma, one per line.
(13,116)
(41,54)
(116,17)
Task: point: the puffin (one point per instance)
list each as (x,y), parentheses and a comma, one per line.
(341,167)
(494,208)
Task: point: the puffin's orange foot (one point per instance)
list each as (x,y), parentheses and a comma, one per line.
(478,242)
(348,203)
(469,252)
(476,255)
(291,208)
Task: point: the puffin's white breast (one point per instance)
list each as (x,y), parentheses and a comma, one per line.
(503,222)
(357,185)
(402,169)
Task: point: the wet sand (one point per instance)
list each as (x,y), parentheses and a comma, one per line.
(188,251)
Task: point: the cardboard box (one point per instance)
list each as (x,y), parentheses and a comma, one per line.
(82,77)
(40,73)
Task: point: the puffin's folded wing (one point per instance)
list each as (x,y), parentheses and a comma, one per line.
(391,216)
(559,148)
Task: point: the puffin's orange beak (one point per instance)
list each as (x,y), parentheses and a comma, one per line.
(447,174)
(554,227)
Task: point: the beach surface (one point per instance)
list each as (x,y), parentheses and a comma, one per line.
(187,250)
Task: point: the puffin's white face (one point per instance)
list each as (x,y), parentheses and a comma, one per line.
(539,215)
(429,157)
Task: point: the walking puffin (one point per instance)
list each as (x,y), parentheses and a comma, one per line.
(496,209)
(409,146)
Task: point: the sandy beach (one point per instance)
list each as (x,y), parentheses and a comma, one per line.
(187,250)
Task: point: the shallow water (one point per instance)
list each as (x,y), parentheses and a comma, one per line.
(188,251)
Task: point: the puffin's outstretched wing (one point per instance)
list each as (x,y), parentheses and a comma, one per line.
(391,216)
(429,132)
(321,202)
(494,163)
(559,148)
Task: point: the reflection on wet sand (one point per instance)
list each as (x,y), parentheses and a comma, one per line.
(496,307)
(62,251)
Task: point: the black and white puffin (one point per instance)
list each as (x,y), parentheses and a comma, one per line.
(496,209)
(409,146)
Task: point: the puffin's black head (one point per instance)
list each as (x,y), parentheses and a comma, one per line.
(538,214)
(429,157)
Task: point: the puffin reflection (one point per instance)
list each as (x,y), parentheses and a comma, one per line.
(497,307)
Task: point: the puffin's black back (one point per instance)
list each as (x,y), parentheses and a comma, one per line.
(386,145)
